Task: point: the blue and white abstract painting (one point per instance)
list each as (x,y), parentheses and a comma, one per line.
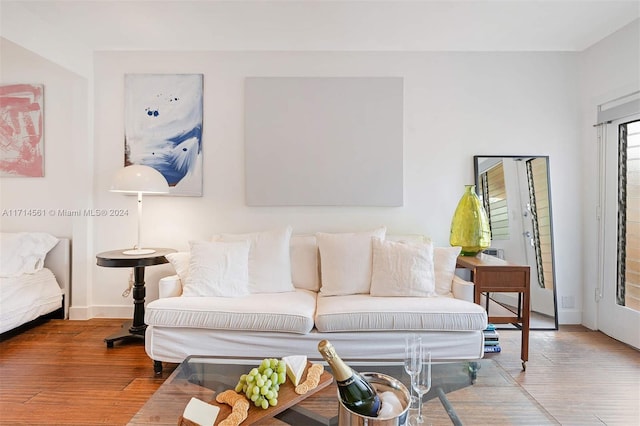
(163,127)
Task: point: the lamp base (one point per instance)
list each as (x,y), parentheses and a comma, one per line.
(138,252)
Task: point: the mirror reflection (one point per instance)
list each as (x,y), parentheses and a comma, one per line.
(515,193)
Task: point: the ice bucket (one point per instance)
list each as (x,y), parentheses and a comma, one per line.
(381,383)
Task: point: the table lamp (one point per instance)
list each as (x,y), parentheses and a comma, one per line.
(138,179)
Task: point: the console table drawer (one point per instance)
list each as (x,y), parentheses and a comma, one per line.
(503,279)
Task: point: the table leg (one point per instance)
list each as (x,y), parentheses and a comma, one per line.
(137,327)
(524,355)
(139,292)
(123,334)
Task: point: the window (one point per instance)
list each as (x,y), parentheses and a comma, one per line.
(494,199)
(540,217)
(628,282)
(616,294)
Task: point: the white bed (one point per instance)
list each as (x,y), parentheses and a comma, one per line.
(46,291)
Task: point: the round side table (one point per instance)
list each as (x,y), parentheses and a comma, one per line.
(117,259)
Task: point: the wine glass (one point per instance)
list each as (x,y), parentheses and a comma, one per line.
(422,381)
(412,364)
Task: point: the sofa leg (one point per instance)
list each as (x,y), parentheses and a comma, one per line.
(157,367)
(473,371)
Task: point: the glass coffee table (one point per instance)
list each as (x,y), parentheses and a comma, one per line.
(478,392)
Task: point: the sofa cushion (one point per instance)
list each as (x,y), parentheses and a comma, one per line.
(305,273)
(291,312)
(345,261)
(365,313)
(444,263)
(402,269)
(269,259)
(218,269)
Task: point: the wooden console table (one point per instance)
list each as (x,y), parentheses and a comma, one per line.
(491,274)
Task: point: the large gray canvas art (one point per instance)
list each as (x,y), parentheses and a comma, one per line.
(324,141)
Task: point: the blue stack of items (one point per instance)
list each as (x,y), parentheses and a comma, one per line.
(491,339)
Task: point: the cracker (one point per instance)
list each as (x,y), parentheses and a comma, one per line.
(316,367)
(313,376)
(239,407)
(243,415)
(302,388)
(241,404)
(235,416)
(229,397)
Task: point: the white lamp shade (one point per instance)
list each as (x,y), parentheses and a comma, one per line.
(139,179)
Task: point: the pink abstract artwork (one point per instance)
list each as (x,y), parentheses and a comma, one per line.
(21,141)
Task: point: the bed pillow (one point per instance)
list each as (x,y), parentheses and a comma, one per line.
(402,269)
(269,259)
(24,252)
(444,265)
(218,269)
(345,261)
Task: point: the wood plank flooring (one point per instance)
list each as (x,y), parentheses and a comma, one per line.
(62,373)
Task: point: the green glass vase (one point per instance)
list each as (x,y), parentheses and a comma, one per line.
(470,224)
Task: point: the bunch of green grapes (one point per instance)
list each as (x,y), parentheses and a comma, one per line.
(261,384)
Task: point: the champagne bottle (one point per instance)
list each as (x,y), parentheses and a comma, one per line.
(355,392)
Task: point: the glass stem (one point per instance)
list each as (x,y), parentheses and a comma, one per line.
(411,391)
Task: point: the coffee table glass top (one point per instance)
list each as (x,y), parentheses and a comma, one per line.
(479,392)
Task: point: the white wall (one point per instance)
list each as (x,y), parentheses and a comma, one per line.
(456,105)
(66,184)
(64,97)
(609,69)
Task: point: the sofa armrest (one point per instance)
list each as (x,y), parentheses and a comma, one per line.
(170,286)
(461,289)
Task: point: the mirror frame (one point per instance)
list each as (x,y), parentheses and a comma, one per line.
(476,164)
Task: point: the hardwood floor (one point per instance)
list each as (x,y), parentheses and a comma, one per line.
(62,373)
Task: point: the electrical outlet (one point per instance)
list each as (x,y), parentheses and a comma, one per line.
(568,302)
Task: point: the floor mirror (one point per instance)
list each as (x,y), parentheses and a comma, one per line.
(515,191)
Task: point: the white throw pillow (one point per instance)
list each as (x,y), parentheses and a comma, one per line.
(24,252)
(218,269)
(305,273)
(269,259)
(180,262)
(407,238)
(346,261)
(402,269)
(444,265)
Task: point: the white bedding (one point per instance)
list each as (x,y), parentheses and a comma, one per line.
(27,297)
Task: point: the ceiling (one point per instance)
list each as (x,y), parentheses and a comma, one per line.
(67,32)
(449,25)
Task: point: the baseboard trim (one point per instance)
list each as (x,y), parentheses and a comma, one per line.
(100,311)
(112,311)
(79,314)
(569,317)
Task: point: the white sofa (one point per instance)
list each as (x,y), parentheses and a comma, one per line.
(279,323)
